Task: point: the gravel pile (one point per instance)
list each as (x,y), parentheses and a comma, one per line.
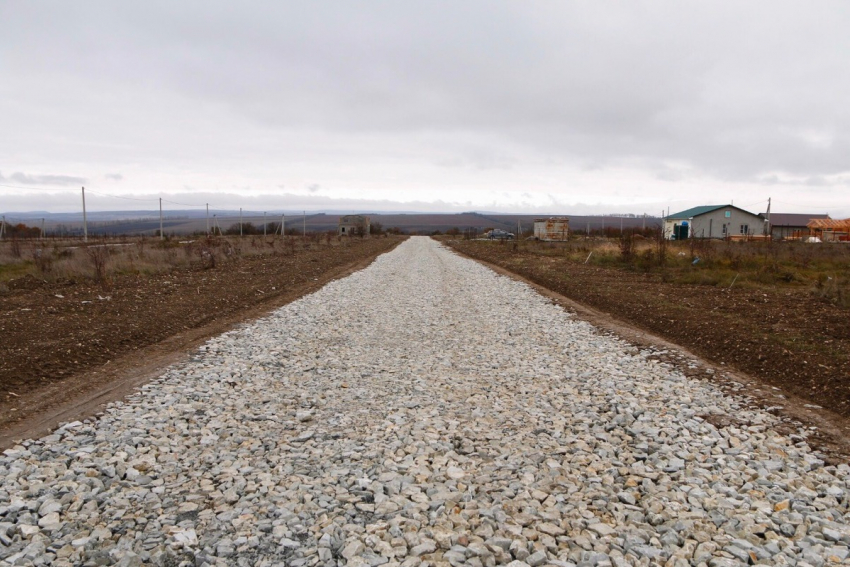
(424,411)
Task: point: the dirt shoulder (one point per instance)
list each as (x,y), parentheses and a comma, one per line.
(69,348)
(743,339)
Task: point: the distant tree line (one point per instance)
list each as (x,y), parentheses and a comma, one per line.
(21,230)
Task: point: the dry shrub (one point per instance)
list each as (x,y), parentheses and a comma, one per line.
(627,246)
(140,247)
(42,259)
(207,256)
(661,245)
(834,289)
(99,258)
(15,248)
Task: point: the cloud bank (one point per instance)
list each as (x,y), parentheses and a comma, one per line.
(621,103)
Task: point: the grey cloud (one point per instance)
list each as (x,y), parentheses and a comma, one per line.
(114,177)
(810,181)
(737,92)
(314,188)
(29,179)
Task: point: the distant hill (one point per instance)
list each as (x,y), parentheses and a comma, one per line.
(184,222)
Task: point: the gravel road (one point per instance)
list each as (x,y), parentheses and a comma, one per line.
(424,411)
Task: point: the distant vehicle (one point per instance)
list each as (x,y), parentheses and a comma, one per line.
(499,234)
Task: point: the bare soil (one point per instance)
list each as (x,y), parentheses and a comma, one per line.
(787,349)
(66,348)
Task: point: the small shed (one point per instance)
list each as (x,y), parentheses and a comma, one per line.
(830,229)
(552,229)
(714,221)
(354,225)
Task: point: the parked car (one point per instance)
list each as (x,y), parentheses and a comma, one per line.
(499,234)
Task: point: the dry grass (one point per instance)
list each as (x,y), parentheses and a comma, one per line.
(824,268)
(103,258)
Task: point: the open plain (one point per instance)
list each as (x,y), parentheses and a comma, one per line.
(424,411)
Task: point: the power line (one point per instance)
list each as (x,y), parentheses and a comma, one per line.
(183,204)
(120,197)
(34,187)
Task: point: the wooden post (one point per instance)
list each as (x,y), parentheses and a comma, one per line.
(161,233)
(240,221)
(208,219)
(264,223)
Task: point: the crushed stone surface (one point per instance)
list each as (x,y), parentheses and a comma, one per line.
(423,411)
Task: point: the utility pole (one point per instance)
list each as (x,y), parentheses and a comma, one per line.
(161,233)
(208,219)
(41,237)
(644,221)
(283,225)
(304,230)
(85,221)
(264,223)
(2,227)
(240,221)
(768,216)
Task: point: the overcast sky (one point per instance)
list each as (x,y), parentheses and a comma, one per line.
(562,107)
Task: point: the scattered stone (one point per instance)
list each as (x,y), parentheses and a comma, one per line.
(424,411)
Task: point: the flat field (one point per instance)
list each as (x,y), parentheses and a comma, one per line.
(779,312)
(71,327)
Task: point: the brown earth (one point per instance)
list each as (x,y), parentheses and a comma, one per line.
(68,347)
(790,347)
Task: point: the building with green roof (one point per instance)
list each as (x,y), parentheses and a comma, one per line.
(713,221)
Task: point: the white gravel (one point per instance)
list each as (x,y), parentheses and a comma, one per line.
(424,411)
